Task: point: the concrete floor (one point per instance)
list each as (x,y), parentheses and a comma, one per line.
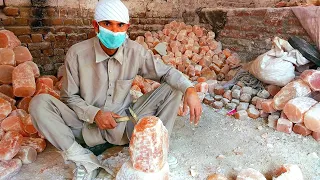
(237,144)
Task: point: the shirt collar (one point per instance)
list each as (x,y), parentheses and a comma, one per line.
(102,56)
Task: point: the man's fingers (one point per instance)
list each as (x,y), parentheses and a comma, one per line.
(191,115)
(114,115)
(198,115)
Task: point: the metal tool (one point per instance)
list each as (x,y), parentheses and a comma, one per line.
(131,117)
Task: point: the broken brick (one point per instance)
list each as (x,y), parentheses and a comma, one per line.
(219,90)
(242,115)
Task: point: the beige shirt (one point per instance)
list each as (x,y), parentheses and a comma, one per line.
(93,80)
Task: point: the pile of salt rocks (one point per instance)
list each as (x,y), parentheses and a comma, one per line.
(20,81)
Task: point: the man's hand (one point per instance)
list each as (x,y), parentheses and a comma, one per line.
(105,120)
(192,100)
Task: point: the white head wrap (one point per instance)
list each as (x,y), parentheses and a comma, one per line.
(111,10)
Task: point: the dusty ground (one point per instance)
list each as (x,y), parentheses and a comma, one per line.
(239,144)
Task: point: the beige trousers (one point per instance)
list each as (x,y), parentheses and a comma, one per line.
(61,126)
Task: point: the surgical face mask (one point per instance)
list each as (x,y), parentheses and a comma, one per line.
(111,39)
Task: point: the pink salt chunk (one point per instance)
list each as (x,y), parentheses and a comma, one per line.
(27,154)
(7,90)
(7,57)
(1,133)
(23,81)
(22,54)
(38,144)
(8,39)
(149,154)
(13,123)
(250,173)
(5,108)
(288,172)
(297,107)
(6,74)
(273,89)
(312,78)
(316,136)
(267,106)
(241,115)
(45,80)
(10,145)
(294,89)
(10,168)
(202,87)
(24,103)
(284,125)
(9,99)
(301,129)
(312,118)
(36,70)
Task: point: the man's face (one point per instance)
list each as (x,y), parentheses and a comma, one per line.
(113,26)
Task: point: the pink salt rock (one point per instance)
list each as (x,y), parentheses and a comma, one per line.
(24,103)
(273,89)
(288,172)
(207,73)
(254,100)
(312,78)
(38,144)
(128,171)
(263,114)
(44,89)
(292,90)
(202,87)
(27,155)
(10,168)
(6,74)
(297,107)
(215,68)
(9,99)
(241,115)
(10,145)
(7,90)
(22,54)
(5,109)
(26,121)
(284,125)
(196,58)
(8,39)
(216,177)
(1,133)
(23,81)
(312,118)
(301,129)
(283,115)
(36,70)
(267,106)
(233,60)
(316,136)
(45,80)
(201,79)
(211,85)
(219,90)
(228,95)
(7,57)
(253,113)
(147,154)
(248,174)
(227,52)
(13,123)
(198,69)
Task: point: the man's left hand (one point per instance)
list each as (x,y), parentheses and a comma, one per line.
(192,100)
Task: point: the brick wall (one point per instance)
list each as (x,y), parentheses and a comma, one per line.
(49,27)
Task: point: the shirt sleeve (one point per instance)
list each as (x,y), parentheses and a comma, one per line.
(155,69)
(70,92)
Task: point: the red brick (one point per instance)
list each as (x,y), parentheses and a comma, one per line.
(8,21)
(50,12)
(73,12)
(70,22)
(66,29)
(87,22)
(19,30)
(49,37)
(57,21)
(48,52)
(273,22)
(25,12)
(63,12)
(22,21)
(11,11)
(36,38)
(41,45)
(36,53)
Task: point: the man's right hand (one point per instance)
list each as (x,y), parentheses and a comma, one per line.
(105,120)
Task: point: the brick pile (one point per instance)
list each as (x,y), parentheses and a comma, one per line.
(20,80)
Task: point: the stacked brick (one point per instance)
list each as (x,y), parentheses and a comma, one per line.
(20,80)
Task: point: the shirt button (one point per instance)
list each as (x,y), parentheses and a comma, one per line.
(109,94)
(109,71)
(110,84)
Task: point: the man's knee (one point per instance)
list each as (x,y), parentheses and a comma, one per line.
(39,101)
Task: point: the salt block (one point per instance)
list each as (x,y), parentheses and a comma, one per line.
(228,95)
(273,121)
(207,73)
(284,125)
(5,108)
(316,136)
(128,171)
(253,113)
(139,81)
(23,81)
(13,123)
(294,89)
(147,154)
(27,155)
(250,174)
(218,97)
(216,177)
(301,129)
(6,74)
(1,133)
(208,99)
(217,105)
(273,89)
(202,79)
(242,115)
(44,89)
(236,101)
(38,144)
(254,100)
(263,94)
(7,57)
(312,78)
(225,69)
(10,168)
(211,85)
(7,90)
(36,70)
(245,97)
(135,95)
(8,39)
(22,54)
(288,172)
(283,115)
(225,101)
(9,99)
(231,106)
(10,145)
(227,52)
(215,68)
(28,125)
(247,90)
(259,103)
(312,118)
(45,80)
(267,106)
(233,60)
(24,103)
(219,90)
(264,114)
(236,94)
(242,106)
(297,107)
